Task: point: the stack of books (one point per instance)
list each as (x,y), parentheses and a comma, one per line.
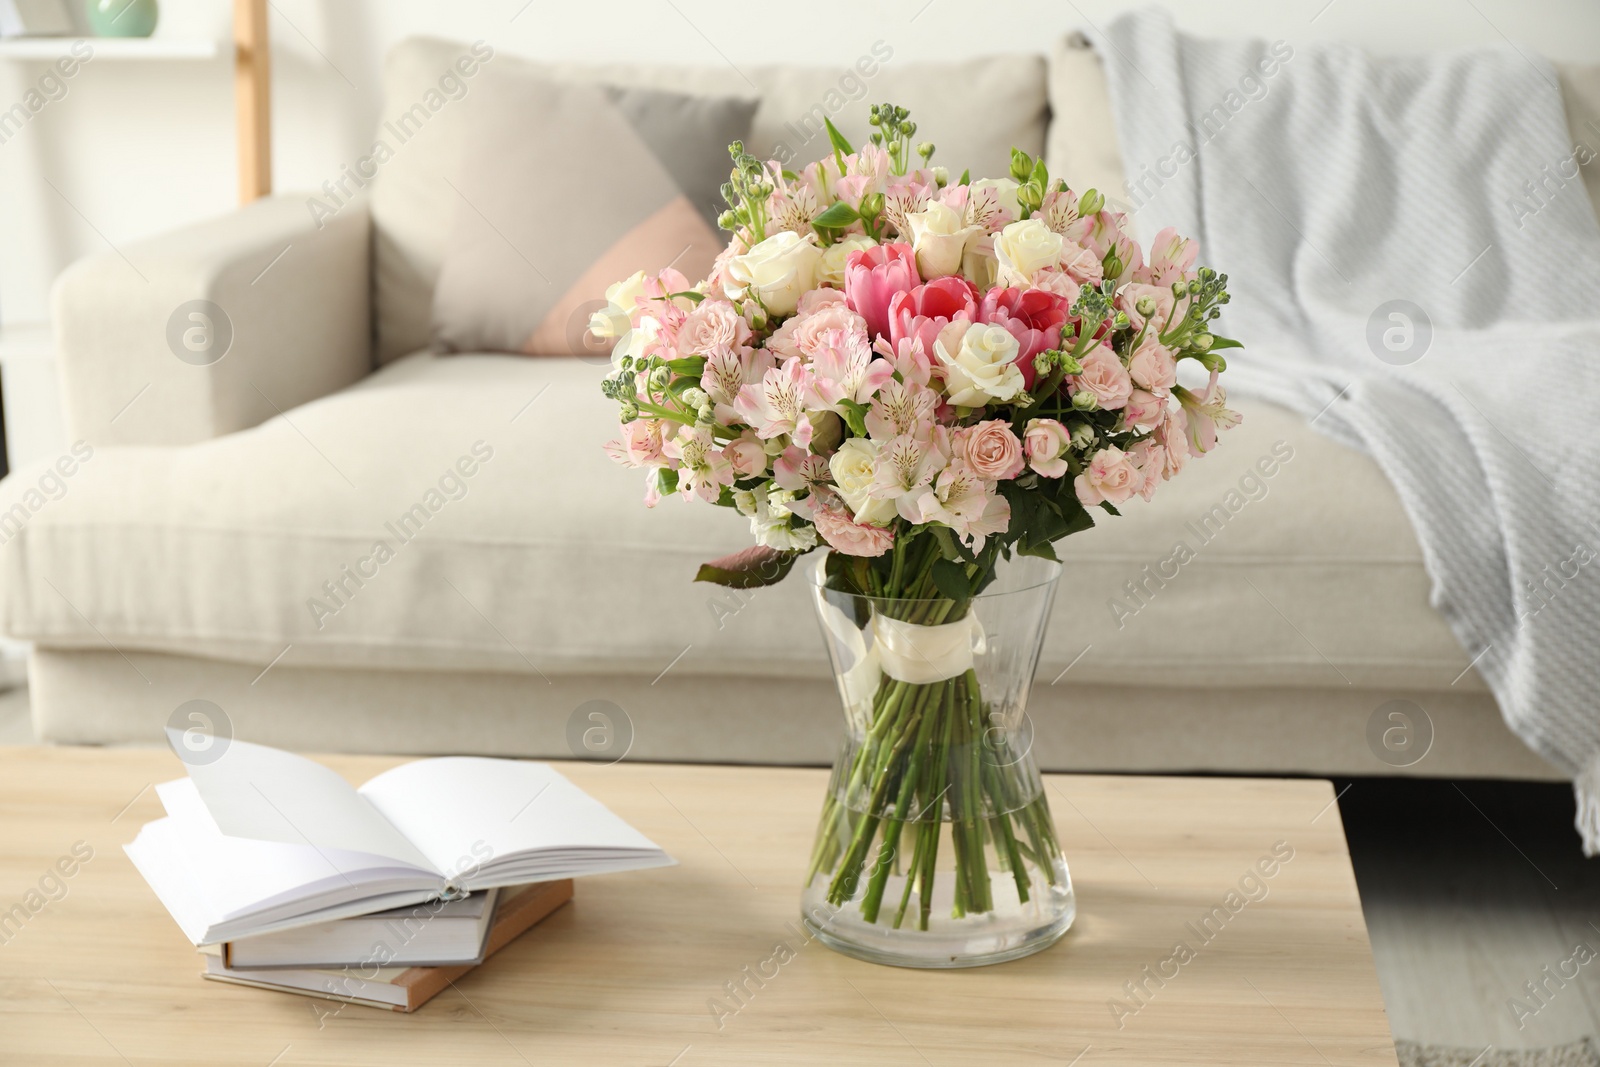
(286,877)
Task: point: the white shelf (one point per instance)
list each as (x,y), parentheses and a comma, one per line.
(47,49)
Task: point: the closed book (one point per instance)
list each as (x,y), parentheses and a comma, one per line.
(397,988)
(436,933)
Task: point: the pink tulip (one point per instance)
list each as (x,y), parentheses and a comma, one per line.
(1033,316)
(920,313)
(873,277)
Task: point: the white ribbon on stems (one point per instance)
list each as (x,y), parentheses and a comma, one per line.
(906,651)
(919,654)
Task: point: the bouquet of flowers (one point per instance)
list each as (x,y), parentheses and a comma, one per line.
(925,376)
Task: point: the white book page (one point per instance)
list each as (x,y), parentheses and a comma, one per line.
(234,876)
(464,812)
(267,794)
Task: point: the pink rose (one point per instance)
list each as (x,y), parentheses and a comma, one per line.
(1081,265)
(1033,316)
(1128,298)
(1105,378)
(1173,433)
(1152,367)
(990,449)
(844,534)
(746,455)
(714,324)
(1110,476)
(872,277)
(1143,409)
(919,314)
(802,335)
(1046,442)
(1149,458)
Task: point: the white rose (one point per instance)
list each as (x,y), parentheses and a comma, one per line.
(611,322)
(830,270)
(633,341)
(977,263)
(853,467)
(1024,248)
(626,292)
(779,271)
(1005,191)
(939,239)
(980,364)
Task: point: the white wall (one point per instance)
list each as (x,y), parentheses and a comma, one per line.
(136,147)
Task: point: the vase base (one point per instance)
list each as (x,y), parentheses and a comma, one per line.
(918,950)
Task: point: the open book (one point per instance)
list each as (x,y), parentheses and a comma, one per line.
(263,840)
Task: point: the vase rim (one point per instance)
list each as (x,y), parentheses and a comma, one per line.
(1051,573)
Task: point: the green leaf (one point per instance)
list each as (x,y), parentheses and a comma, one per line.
(1223,342)
(666,480)
(836,217)
(1077,519)
(966,178)
(1044,550)
(689,295)
(951,580)
(855,416)
(688,366)
(1110,507)
(946,541)
(750,568)
(835,138)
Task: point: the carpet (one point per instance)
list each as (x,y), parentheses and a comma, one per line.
(1580,1054)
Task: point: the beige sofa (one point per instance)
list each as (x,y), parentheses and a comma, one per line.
(222,504)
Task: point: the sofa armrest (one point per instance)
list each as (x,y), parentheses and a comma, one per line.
(215,327)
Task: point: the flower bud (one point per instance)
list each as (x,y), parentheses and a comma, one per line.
(1146,306)
(1202,341)
(1021,165)
(925,150)
(629,411)
(872,205)
(694,398)
(1083,400)
(1083,435)
(1090,203)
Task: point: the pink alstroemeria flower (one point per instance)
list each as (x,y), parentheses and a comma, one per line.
(842,369)
(1207,413)
(776,404)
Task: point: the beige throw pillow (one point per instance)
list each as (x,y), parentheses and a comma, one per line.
(566,188)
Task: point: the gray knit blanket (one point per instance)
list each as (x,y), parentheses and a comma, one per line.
(1415,267)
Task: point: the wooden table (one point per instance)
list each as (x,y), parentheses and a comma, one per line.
(638,968)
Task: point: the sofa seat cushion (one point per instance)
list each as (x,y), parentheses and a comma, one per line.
(458,513)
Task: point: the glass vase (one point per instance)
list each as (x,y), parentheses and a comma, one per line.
(936,846)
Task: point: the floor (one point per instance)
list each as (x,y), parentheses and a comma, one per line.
(1470,889)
